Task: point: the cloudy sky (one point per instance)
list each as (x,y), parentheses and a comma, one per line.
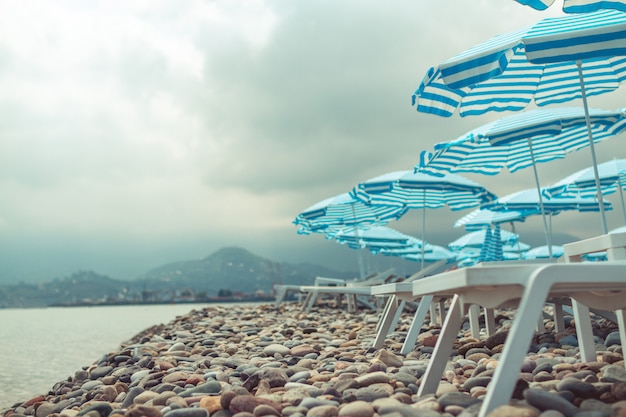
(138,133)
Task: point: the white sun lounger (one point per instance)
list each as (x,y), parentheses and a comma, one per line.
(600,285)
(350,289)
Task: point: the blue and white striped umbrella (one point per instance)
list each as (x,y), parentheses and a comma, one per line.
(372,234)
(520,140)
(491,250)
(436,253)
(477,239)
(577,6)
(498,74)
(412,190)
(527,202)
(554,61)
(377,239)
(544,252)
(331,215)
(612,175)
(343,210)
(422,190)
(481,218)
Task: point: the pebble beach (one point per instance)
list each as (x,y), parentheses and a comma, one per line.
(251,360)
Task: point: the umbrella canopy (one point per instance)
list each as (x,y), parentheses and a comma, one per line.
(619,230)
(502,74)
(521,140)
(543,252)
(492,247)
(422,190)
(517,247)
(612,175)
(436,253)
(527,202)
(411,190)
(377,238)
(477,239)
(342,210)
(331,215)
(582,183)
(577,6)
(482,218)
(554,61)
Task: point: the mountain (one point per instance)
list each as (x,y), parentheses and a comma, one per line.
(229,270)
(82,286)
(235,269)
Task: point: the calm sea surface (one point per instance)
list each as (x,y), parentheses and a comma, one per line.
(40,347)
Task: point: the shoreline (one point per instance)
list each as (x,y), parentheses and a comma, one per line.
(257,360)
(215,300)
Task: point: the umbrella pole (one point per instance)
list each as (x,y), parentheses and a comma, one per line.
(359,252)
(423,226)
(591,146)
(543,210)
(519,248)
(621,196)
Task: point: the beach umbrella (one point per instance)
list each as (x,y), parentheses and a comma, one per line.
(553,61)
(544,252)
(343,210)
(480,218)
(582,183)
(527,202)
(516,247)
(410,190)
(436,253)
(619,230)
(334,213)
(522,140)
(577,6)
(492,247)
(377,238)
(477,238)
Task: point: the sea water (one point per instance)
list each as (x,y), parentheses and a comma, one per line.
(42,346)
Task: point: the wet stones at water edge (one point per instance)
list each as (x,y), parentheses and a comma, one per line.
(256,361)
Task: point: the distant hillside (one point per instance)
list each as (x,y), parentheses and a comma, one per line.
(80,286)
(235,269)
(229,269)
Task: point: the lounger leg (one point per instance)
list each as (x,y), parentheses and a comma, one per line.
(517,342)
(621,324)
(433,313)
(443,348)
(416,324)
(280,296)
(396,317)
(383,315)
(442,309)
(540,327)
(306,301)
(351,301)
(490,321)
(584,332)
(311,299)
(559,319)
(474,313)
(385,321)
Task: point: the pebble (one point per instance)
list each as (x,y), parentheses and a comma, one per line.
(263,361)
